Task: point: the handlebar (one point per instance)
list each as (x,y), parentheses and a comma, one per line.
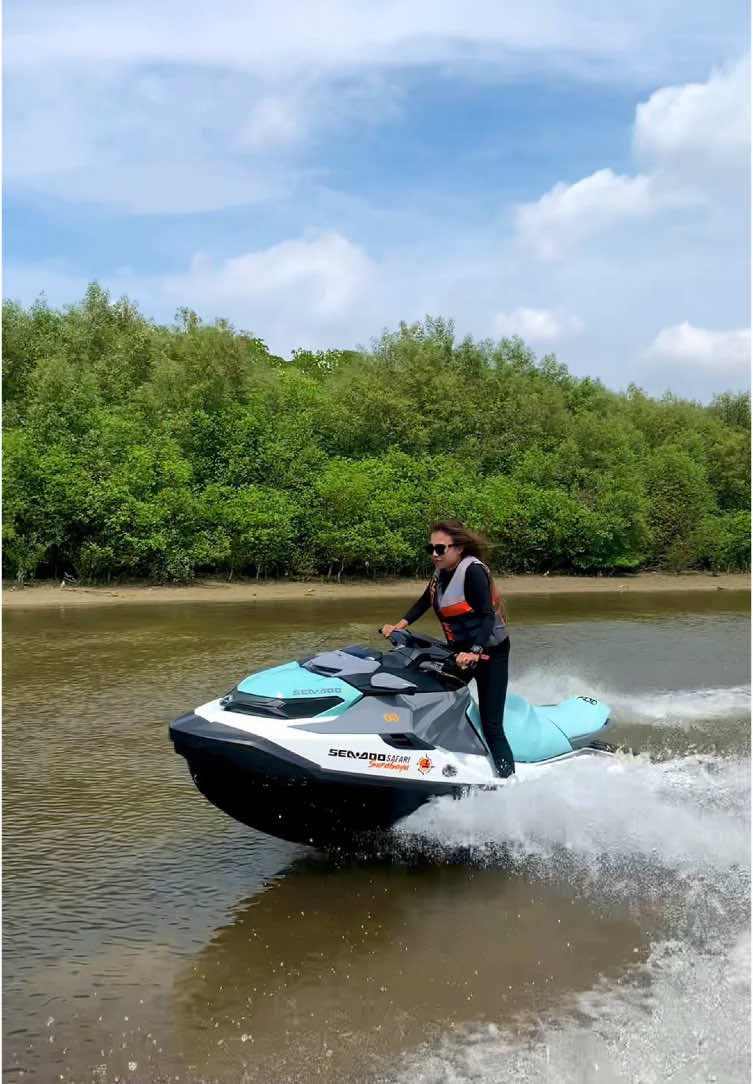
(401,638)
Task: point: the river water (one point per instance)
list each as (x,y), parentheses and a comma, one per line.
(595,928)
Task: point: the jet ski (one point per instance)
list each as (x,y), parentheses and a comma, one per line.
(330,748)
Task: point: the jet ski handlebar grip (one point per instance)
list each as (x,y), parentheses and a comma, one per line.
(468,665)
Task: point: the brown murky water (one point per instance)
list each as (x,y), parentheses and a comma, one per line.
(147,937)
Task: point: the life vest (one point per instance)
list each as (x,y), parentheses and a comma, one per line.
(457,617)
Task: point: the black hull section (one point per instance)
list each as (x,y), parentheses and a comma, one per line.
(302,812)
(276,792)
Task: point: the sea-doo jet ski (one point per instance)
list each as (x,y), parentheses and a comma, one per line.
(349,741)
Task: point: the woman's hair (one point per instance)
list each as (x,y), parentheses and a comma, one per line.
(473,545)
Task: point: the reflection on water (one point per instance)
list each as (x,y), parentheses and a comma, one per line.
(148,935)
(366,960)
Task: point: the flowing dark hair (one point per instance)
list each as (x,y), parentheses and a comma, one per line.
(472,544)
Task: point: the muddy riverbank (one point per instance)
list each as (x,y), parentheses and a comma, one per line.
(46,594)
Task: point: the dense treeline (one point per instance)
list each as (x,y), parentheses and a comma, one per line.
(133,449)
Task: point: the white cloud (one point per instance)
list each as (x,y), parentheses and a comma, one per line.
(177,142)
(330,35)
(567,214)
(697,362)
(310,291)
(697,121)
(298,292)
(162,143)
(536,325)
(700,347)
(189,89)
(693,140)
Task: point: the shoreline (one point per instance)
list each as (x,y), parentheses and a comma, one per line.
(47,595)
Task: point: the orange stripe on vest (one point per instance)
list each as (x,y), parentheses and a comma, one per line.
(456,609)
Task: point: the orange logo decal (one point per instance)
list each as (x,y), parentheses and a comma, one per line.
(425,765)
(391,717)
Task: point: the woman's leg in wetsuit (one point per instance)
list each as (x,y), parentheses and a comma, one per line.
(491,681)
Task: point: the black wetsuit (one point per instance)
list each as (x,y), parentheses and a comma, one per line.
(490,674)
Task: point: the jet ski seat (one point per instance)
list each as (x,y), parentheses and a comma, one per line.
(539,733)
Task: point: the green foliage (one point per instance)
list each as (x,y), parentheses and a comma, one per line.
(680,498)
(245,527)
(363,516)
(732,409)
(133,449)
(721,543)
(728,468)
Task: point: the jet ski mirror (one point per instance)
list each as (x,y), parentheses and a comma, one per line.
(391,683)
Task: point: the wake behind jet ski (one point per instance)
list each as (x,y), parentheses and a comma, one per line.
(350,741)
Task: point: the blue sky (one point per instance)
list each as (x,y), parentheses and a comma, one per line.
(319,171)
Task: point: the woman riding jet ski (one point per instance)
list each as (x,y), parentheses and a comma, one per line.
(348,742)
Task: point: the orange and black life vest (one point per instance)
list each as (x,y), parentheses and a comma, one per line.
(460,622)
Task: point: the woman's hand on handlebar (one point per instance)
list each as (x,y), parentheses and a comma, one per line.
(387,630)
(464,659)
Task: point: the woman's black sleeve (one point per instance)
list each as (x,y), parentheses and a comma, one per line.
(419,608)
(479,597)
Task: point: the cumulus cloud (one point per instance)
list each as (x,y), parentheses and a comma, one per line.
(698,362)
(693,141)
(569,213)
(698,121)
(309,291)
(665,245)
(536,325)
(702,348)
(299,292)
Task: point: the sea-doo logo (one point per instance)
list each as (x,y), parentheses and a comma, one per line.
(317,692)
(588,699)
(391,761)
(449,770)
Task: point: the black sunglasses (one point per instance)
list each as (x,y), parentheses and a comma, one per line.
(439,549)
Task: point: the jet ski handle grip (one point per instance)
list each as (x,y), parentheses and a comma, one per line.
(398,638)
(401,638)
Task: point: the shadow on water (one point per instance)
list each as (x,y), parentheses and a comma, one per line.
(341,964)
